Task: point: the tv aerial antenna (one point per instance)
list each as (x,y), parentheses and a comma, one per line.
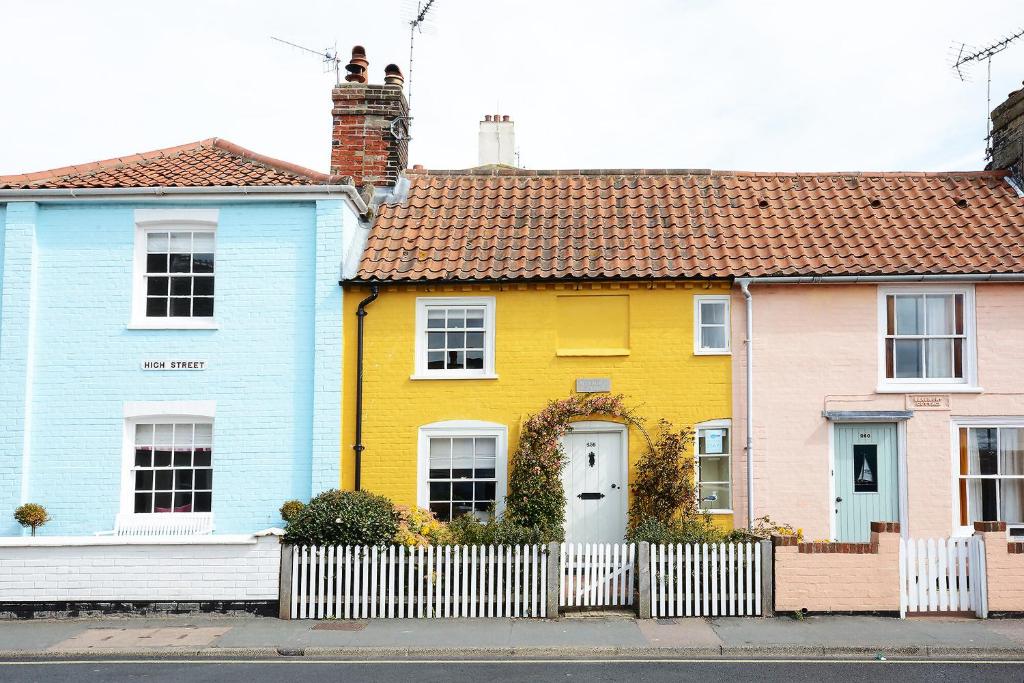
(419,20)
(328,56)
(967,54)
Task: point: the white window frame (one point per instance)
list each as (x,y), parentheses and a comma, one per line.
(158,412)
(463,429)
(903,385)
(420,365)
(698,299)
(956,424)
(697,455)
(167,220)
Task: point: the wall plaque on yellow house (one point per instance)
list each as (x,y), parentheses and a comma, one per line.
(513,304)
(593,385)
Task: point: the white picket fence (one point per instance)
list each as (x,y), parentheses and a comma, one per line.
(700,579)
(596,574)
(393,582)
(943,575)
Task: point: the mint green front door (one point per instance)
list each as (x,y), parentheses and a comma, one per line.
(866,484)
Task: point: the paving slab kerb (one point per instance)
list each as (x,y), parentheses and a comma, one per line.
(568,637)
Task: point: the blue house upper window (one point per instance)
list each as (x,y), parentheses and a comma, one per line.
(179,274)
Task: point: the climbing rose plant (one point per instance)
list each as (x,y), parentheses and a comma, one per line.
(536,497)
(663,485)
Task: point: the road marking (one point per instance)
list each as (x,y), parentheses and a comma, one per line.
(304,660)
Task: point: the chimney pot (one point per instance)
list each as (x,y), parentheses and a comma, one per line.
(505,118)
(356,66)
(393,75)
(487,117)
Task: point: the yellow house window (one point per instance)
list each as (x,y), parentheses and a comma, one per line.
(454,338)
(714,471)
(591,325)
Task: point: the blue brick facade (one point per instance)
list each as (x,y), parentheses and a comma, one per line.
(69,362)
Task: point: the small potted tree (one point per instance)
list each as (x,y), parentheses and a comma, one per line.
(31,515)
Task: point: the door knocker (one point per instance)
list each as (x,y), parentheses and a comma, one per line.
(592,456)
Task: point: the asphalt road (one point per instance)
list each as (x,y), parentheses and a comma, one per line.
(452,671)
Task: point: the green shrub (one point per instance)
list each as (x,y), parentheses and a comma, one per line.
(468,530)
(344,518)
(291,510)
(691,528)
(31,515)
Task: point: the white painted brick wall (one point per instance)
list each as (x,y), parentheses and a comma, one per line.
(107,569)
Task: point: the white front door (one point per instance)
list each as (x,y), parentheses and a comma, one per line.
(595,483)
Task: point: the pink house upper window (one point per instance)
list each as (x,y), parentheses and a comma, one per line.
(925,336)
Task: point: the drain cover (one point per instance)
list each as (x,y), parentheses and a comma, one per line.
(340,626)
(666,622)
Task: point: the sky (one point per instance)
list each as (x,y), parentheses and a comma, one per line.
(742,85)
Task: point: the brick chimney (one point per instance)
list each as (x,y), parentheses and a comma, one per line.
(370,140)
(1008,135)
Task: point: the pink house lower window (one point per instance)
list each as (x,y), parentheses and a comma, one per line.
(991,481)
(173,469)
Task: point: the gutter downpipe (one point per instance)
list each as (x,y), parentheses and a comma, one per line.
(359,447)
(749,343)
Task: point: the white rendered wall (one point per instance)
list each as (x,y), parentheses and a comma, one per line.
(497,143)
(108,568)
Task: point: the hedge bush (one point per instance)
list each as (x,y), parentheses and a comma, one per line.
(468,530)
(344,518)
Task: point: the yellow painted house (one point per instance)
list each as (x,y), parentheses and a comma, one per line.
(487,293)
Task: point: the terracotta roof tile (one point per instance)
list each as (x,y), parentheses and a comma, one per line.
(213,162)
(532,225)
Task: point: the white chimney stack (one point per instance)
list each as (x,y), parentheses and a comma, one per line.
(497,141)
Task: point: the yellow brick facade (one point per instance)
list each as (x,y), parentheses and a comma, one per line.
(658,371)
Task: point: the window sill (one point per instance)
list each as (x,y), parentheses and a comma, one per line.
(928,389)
(440,376)
(190,325)
(718,512)
(708,352)
(575,353)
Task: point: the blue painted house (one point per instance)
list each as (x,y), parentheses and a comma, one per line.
(170,340)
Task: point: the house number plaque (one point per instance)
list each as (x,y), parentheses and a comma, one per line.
(593,385)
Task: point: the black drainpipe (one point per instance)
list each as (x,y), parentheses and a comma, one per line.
(359,447)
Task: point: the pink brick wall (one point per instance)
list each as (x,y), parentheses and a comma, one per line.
(839,577)
(816,348)
(1005,569)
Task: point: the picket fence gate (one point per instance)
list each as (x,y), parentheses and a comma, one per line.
(596,574)
(395,582)
(701,579)
(943,575)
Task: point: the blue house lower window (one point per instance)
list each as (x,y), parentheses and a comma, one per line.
(173,467)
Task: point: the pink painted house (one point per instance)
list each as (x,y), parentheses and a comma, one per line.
(883,358)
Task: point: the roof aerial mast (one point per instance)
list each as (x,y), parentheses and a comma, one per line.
(329,57)
(967,54)
(417,23)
